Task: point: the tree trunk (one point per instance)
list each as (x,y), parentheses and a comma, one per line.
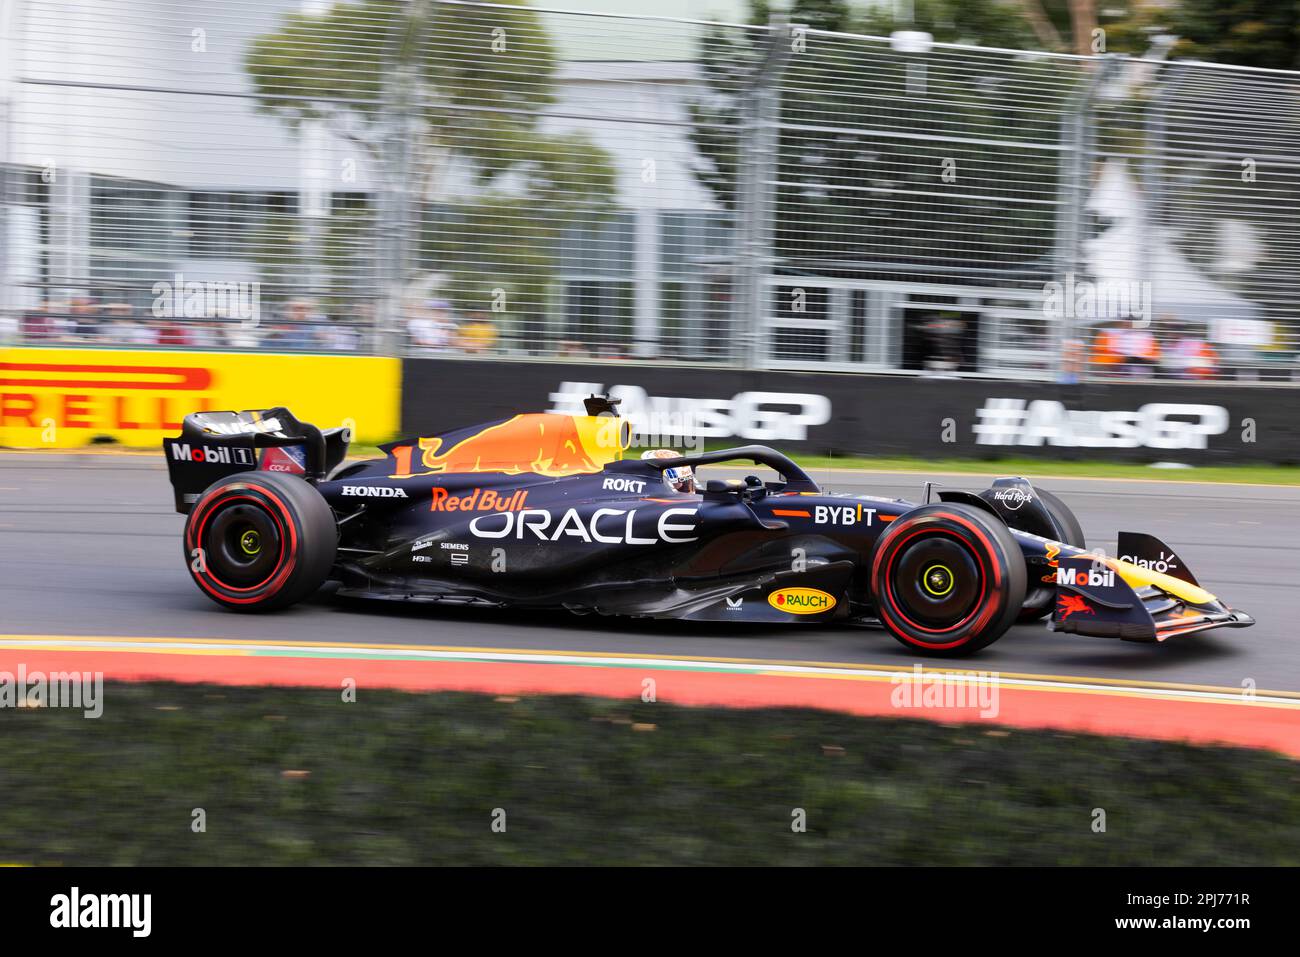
(1044,29)
(1083,20)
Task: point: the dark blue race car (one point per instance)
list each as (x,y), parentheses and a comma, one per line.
(546,511)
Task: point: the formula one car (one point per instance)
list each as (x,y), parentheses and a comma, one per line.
(545,511)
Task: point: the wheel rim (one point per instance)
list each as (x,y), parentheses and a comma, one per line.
(242,545)
(250,543)
(936,582)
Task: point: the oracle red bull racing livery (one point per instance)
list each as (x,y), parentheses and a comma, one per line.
(547,511)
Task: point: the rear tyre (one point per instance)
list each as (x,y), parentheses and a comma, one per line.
(948,579)
(1042,597)
(258,541)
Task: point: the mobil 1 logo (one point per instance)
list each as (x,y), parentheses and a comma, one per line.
(211,454)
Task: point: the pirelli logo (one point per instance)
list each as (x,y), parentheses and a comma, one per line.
(63,398)
(103,398)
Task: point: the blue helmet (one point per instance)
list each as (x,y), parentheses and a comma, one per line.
(679,479)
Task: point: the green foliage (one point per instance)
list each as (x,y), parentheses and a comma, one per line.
(507,240)
(993,23)
(833,183)
(478,80)
(473,100)
(1259,33)
(293,776)
(726,63)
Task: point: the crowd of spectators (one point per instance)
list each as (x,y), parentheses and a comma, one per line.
(433,326)
(297,325)
(1168,349)
(1171,350)
(427,327)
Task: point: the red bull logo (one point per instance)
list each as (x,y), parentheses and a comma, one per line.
(479,500)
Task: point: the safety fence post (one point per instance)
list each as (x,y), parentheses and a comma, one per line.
(758,145)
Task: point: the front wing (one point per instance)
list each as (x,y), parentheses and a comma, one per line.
(1112,598)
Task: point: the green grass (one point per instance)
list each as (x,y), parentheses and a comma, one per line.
(414,779)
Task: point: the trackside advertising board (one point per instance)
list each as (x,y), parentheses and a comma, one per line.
(852,414)
(64,398)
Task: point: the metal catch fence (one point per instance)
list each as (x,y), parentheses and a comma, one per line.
(496,179)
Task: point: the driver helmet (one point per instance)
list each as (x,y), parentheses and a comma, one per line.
(679,479)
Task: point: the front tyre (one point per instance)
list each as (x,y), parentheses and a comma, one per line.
(948,579)
(258,541)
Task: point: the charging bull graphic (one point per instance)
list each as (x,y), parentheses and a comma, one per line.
(542,443)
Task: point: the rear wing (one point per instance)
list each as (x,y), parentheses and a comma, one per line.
(213,445)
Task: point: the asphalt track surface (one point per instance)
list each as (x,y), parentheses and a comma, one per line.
(89,545)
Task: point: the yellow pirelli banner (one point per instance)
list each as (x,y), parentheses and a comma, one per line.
(62,398)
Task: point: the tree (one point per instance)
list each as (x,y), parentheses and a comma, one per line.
(847,196)
(994,23)
(465,87)
(1260,33)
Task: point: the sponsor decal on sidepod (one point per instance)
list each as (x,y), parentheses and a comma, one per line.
(801,601)
(842,514)
(603,526)
(479,500)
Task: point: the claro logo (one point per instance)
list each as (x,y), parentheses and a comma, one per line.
(101,397)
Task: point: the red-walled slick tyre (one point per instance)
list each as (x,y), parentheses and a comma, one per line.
(948,579)
(257,541)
